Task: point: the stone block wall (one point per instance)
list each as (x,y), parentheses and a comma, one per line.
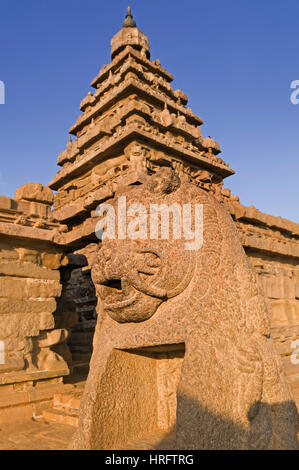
(272,246)
(28,293)
(279,281)
(30,286)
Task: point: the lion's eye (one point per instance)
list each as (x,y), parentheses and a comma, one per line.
(144,276)
(152,260)
(148,264)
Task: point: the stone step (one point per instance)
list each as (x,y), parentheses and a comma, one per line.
(66,407)
(85,326)
(62,416)
(80,349)
(85,336)
(81,357)
(67,400)
(80,367)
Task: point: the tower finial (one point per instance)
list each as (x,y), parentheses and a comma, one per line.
(129,22)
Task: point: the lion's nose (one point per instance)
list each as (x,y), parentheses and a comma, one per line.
(113,265)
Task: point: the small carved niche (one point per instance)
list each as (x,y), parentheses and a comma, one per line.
(167,363)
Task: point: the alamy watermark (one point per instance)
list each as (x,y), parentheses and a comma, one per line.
(2,92)
(294,358)
(2,353)
(152,223)
(295,94)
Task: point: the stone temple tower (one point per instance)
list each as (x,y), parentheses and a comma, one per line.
(133,123)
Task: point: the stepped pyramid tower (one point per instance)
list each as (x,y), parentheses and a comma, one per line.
(133,123)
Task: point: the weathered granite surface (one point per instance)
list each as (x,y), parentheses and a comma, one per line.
(33,327)
(133,124)
(202,314)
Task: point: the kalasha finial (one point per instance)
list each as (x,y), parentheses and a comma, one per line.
(129,21)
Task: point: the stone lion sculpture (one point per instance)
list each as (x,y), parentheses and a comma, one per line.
(158,296)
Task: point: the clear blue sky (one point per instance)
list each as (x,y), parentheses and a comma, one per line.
(235,60)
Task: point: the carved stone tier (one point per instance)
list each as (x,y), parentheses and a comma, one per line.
(133,104)
(30,285)
(153,66)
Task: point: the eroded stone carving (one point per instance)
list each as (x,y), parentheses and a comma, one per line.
(153,294)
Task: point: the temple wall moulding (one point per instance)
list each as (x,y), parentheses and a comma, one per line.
(134,126)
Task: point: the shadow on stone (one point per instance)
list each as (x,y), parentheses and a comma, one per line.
(216,433)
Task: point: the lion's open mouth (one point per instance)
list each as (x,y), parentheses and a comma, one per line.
(111,290)
(114,284)
(115,295)
(111,287)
